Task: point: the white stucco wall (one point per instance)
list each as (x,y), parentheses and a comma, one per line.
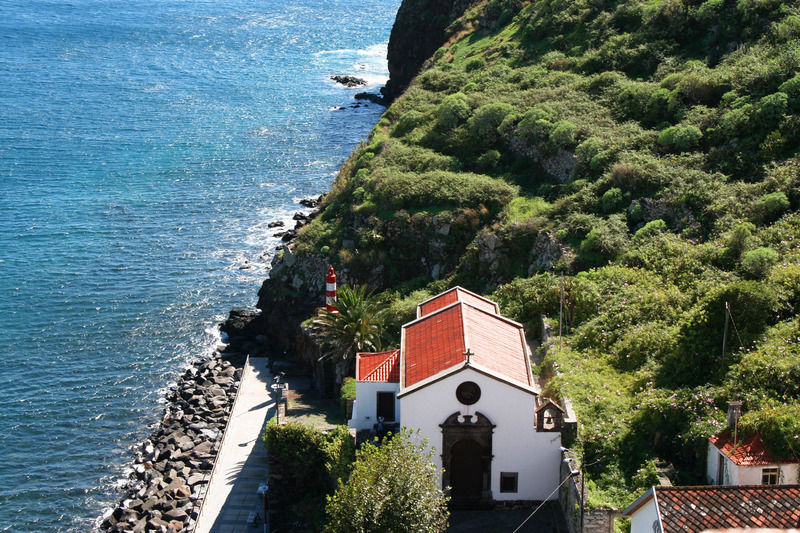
(746,475)
(366,404)
(751,475)
(516,446)
(712,464)
(642,520)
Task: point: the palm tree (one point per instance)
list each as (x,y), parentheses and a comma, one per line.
(355,326)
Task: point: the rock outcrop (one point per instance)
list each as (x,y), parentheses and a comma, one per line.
(419,30)
(349,81)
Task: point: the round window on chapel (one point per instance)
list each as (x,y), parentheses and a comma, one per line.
(468,393)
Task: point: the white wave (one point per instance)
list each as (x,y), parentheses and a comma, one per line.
(340,51)
(156,88)
(375,50)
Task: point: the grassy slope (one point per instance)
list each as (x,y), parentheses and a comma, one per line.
(654,145)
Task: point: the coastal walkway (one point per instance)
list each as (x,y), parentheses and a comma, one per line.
(241,464)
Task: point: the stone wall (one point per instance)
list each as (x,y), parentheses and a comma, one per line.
(597,520)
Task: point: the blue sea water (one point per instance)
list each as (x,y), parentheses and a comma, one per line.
(144,147)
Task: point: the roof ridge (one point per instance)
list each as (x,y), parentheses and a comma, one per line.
(677,488)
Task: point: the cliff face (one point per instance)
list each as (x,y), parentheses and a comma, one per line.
(646,149)
(418,31)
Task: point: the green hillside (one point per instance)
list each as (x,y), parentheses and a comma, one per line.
(647,150)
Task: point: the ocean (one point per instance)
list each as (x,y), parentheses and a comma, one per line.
(145,145)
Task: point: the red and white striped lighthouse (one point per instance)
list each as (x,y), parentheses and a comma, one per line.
(330,290)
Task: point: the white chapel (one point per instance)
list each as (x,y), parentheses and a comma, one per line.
(462,377)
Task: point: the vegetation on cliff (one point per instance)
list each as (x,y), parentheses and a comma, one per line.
(647,151)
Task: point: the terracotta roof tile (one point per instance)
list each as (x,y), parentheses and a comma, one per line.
(695,509)
(456,294)
(748,452)
(379,366)
(438,341)
(434,343)
(497,344)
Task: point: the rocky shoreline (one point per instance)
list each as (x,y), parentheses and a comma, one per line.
(172,467)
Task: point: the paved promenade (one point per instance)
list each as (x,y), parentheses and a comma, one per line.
(242,461)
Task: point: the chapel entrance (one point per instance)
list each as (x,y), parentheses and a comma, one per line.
(466,473)
(467,459)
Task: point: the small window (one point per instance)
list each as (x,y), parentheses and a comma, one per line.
(508,481)
(769,476)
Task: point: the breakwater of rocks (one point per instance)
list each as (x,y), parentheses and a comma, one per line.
(172,467)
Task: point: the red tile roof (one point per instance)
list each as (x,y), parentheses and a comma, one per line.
(456,294)
(379,366)
(748,452)
(694,509)
(438,341)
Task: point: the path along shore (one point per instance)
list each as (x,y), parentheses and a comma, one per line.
(171,468)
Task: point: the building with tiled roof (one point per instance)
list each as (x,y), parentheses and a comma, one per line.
(465,383)
(747,461)
(377,385)
(734,459)
(696,509)
(456,294)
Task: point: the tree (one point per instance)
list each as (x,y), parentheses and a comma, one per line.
(394,487)
(355,326)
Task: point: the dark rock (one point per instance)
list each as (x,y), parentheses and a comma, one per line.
(276,224)
(419,30)
(289,235)
(371,97)
(311,202)
(176,514)
(242,323)
(202,450)
(349,81)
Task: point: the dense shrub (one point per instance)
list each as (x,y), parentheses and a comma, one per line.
(605,241)
(771,206)
(526,300)
(779,428)
(771,109)
(394,488)
(791,88)
(484,122)
(650,229)
(679,138)
(563,134)
(407,122)
(698,355)
(535,125)
(771,372)
(453,111)
(316,460)
(441,188)
(612,200)
(757,263)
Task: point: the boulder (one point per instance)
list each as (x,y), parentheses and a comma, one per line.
(348,81)
(176,514)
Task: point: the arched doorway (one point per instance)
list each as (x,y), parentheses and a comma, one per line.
(467,458)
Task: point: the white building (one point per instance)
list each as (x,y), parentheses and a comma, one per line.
(465,383)
(747,462)
(377,385)
(733,460)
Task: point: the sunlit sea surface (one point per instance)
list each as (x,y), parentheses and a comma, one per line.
(144,147)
